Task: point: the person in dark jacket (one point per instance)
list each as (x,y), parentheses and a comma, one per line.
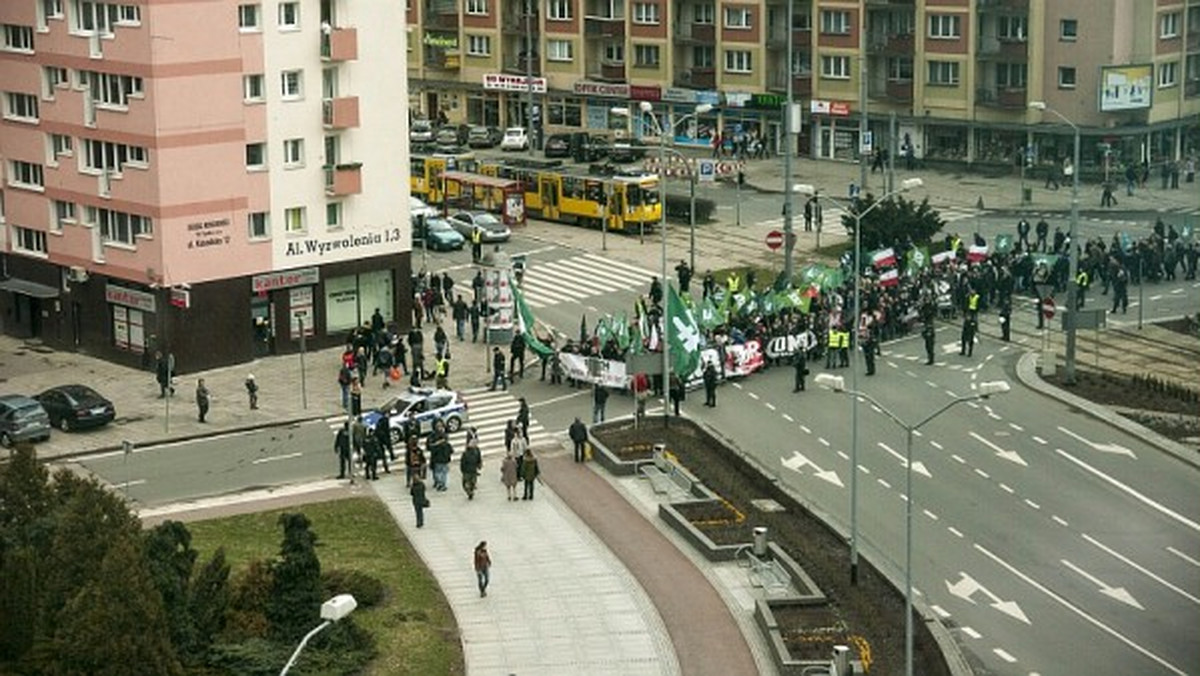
(383,432)
(419,500)
(202,399)
(341,446)
(676,391)
(517,356)
(800,365)
(164,368)
(414,460)
(371,454)
(578,433)
(440,453)
(470,465)
(530,472)
(498,370)
(710,385)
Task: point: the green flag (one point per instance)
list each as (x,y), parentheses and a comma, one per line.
(621,332)
(1186,233)
(830,278)
(916,260)
(767,303)
(1004,243)
(683,335)
(810,274)
(526,321)
(604,329)
(710,316)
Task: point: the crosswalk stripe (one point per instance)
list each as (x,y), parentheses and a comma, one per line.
(559,275)
(595,276)
(537,288)
(611,263)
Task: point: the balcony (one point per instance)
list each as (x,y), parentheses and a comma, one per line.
(1001,97)
(697,78)
(1003,5)
(603,27)
(343,179)
(898,91)
(441,14)
(695,33)
(801,84)
(801,39)
(442,58)
(1191,88)
(1193,39)
(339,44)
(340,113)
(522,65)
(515,22)
(609,71)
(1003,49)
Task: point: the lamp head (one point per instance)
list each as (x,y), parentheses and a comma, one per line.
(619,110)
(645,106)
(338,607)
(911,184)
(703,108)
(804,189)
(992,387)
(835,383)
(1037,105)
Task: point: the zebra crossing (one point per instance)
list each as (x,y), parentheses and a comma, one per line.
(578,277)
(488,412)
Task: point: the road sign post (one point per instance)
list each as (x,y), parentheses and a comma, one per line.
(774,240)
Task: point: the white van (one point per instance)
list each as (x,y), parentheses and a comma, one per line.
(418,207)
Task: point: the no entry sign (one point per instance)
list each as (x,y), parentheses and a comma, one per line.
(1048,308)
(774,240)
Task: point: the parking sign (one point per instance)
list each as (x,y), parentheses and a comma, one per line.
(707,171)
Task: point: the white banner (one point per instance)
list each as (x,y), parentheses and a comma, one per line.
(595,370)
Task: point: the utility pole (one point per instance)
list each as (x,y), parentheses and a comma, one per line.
(862,104)
(789,143)
(529,45)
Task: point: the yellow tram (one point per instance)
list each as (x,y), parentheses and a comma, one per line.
(425,174)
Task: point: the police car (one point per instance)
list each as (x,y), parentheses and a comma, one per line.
(417,408)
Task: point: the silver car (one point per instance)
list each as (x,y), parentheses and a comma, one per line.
(22,419)
(494,229)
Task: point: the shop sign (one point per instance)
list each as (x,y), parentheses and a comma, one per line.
(605,89)
(737,99)
(119,295)
(513,83)
(766,101)
(442,41)
(287,278)
(834,108)
(712,98)
(300,306)
(679,95)
(645,93)
(181,298)
(313,246)
(208,233)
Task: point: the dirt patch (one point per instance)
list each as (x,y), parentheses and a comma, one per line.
(868,617)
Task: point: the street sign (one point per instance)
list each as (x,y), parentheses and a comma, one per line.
(774,240)
(1048,308)
(1091,318)
(868,141)
(707,171)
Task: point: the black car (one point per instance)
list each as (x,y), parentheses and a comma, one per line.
(484,137)
(624,151)
(73,407)
(557,145)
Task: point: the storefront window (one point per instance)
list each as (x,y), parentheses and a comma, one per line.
(564,111)
(484,109)
(350,300)
(129,329)
(695,130)
(945,143)
(998,146)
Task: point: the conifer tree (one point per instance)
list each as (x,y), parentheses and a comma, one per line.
(294,605)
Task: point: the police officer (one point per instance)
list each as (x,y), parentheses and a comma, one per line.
(1005,318)
(1023,233)
(476,244)
(341,446)
(869,346)
(1082,282)
(929,333)
(383,432)
(710,385)
(371,454)
(967,345)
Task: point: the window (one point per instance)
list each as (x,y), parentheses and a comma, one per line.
(645,56)
(291,84)
(1066,77)
(704,13)
(100,17)
(28,240)
(256,156)
(737,61)
(333,215)
(118,227)
(900,69)
(289,16)
(1168,74)
(109,89)
(478,7)
(293,219)
(129,15)
(293,153)
(704,56)
(560,50)
(53,77)
(801,62)
(559,10)
(737,17)
(249,18)
(1012,28)
(64,212)
(52,9)
(943,73)
(645,13)
(25,174)
(835,67)
(1068,30)
(1168,25)
(564,111)
(257,223)
(107,156)
(614,52)
(1010,75)
(944,26)
(837,22)
(18,38)
(1192,68)
(479,45)
(138,157)
(252,88)
(20,107)
(60,145)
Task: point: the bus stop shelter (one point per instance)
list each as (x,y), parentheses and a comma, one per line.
(498,195)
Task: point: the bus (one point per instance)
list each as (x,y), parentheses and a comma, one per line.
(425,174)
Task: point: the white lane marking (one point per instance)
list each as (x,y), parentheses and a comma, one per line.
(1116,593)
(1007,489)
(910,374)
(971,632)
(1132,492)
(1011,456)
(1059,520)
(931,515)
(959,459)
(737,385)
(1016,427)
(863,469)
(936,445)
(770,406)
(1032,504)
(554,400)
(942,612)
(1183,556)
(1040,440)
(823,442)
(1004,655)
(788,418)
(805,429)
(1139,568)
(843,456)
(127,484)
(982,473)
(931,383)
(884,483)
(954,530)
(1069,606)
(1104,448)
(752,396)
(917,466)
(953,395)
(918,433)
(993,416)
(273,458)
(244,497)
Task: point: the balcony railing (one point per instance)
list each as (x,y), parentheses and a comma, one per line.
(1001,97)
(695,33)
(518,65)
(603,27)
(890,43)
(339,44)
(515,22)
(1003,5)
(343,179)
(442,59)
(340,113)
(697,78)
(892,90)
(1003,49)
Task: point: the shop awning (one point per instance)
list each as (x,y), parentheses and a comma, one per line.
(28,288)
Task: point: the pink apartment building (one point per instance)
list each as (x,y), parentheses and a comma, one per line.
(203,177)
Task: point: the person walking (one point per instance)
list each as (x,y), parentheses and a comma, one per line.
(414,460)
(164,368)
(498,370)
(477,245)
(676,391)
(530,472)
(383,432)
(355,395)
(710,385)
(483,567)
(1006,318)
(508,475)
(1023,233)
(967,344)
(358,438)
(341,446)
(929,334)
(252,391)
(419,500)
(800,365)
(1043,231)
(202,399)
(460,312)
(371,453)
(440,452)
(517,356)
(579,435)
(471,464)
(523,419)
(599,401)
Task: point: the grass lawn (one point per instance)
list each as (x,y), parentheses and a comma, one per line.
(414,627)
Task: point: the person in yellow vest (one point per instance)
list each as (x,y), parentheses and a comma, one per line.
(973,302)
(831,346)
(442,380)
(1082,282)
(843,348)
(476,244)
(733,282)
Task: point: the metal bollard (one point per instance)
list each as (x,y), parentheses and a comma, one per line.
(760,541)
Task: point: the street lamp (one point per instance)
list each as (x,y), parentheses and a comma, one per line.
(332,610)
(648,108)
(806,189)
(838,384)
(1072,258)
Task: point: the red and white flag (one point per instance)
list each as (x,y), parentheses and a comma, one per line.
(884,258)
(942,257)
(976,254)
(889,277)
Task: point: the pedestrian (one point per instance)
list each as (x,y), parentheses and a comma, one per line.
(710,385)
(476,245)
(684,273)
(1121,290)
(523,418)
(530,472)
(371,454)
(440,452)
(676,391)
(441,342)
(1043,230)
(1006,318)
(970,326)
(473,312)
(869,346)
(471,464)
(460,312)
(800,365)
(383,432)
(358,438)
(579,435)
(355,395)
(164,368)
(341,447)
(1023,233)
(1107,199)
(508,475)
(599,401)
(929,334)
(414,460)
(419,500)
(202,398)
(442,372)
(252,391)
(517,355)
(510,434)
(498,370)
(483,567)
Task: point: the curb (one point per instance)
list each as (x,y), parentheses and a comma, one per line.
(1027,373)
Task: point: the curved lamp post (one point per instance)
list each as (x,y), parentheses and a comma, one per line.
(332,610)
(838,384)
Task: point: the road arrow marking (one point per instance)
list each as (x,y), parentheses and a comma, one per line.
(1103,448)
(1011,456)
(797,461)
(917,466)
(966,587)
(1139,568)
(1117,593)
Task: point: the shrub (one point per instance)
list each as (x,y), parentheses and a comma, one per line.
(366,589)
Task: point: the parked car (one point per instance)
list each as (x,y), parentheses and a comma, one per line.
(418,207)
(557,145)
(624,151)
(420,132)
(484,137)
(494,229)
(22,419)
(437,233)
(73,407)
(515,138)
(451,135)
(416,409)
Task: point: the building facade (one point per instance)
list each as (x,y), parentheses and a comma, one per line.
(209,179)
(957,75)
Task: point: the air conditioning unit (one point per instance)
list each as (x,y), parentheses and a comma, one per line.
(77,274)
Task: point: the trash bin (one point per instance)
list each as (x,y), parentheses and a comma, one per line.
(760,541)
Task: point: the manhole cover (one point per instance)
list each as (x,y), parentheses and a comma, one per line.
(767,505)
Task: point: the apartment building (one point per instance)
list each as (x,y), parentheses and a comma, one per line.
(957,75)
(210,179)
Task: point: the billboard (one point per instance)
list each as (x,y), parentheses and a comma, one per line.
(1126,87)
